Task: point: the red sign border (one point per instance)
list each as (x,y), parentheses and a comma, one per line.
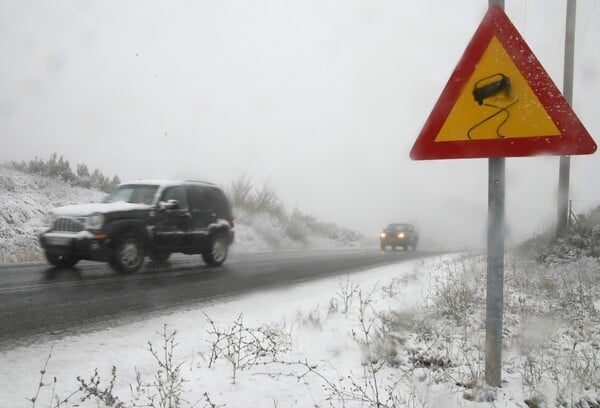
(574,138)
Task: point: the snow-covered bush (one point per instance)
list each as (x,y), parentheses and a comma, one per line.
(58,168)
(583,240)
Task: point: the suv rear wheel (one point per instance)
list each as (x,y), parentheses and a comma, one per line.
(217,252)
(128,254)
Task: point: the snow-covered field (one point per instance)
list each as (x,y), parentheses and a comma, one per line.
(312,324)
(405,335)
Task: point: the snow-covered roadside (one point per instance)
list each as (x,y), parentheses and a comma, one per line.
(410,334)
(317,334)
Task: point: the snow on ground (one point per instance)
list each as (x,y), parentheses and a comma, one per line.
(407,335)
(344,341)
(305,313)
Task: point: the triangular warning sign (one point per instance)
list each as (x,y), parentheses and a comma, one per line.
(500,102)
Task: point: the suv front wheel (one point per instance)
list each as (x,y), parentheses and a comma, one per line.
(217,252)
(128,254)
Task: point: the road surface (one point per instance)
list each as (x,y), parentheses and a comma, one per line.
(38,300)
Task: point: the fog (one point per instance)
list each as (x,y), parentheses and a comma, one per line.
(323,99)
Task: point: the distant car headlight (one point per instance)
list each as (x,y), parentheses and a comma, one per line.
(94,221)
(382,235)
(401,235)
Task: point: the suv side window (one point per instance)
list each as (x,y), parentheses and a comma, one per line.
(176,193)
(219,203)
(197,197)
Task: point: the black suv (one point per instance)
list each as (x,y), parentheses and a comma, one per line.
(399,235)
(154,218)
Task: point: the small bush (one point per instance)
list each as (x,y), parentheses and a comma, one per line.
(245,195)
(458,292)
(59,168)
(583,240)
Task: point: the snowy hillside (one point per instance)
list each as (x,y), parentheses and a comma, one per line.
(26,198)
(24,201)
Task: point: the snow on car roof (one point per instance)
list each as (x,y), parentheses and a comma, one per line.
(152,182)
(399,225)
(164,183)
(86,209)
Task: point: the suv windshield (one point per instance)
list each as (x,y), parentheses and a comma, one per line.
(399,227)
(138,194)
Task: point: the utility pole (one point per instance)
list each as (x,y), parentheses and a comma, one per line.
(564,169)
(495,265)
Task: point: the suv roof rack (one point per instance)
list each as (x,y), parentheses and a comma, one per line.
(200,181)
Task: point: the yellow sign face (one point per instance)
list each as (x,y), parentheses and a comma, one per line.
(500,102)
(496,103)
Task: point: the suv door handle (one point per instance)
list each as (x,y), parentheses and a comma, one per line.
(186,216)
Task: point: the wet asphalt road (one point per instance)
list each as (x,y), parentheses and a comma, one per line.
(39,301)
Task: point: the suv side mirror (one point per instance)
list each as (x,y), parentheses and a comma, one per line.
(168,205)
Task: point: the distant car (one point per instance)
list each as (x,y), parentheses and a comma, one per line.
(153,218)
(399,235)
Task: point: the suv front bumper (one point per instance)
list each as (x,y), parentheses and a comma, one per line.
(394,241)
(81,245)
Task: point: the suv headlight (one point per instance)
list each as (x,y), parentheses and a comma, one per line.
(49,219)
(382,235)
(401,235)
(94,221)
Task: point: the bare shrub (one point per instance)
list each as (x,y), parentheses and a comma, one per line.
(266,200)
(373,387)
(92,389)
(166,388)
(55,400)
(392,288)
(243,347)
(240,192)
(312,318)
(457,293)
(346,293)
(244,194)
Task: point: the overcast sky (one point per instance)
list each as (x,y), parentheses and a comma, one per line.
(323,98)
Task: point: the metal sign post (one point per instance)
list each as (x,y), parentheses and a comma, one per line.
(495,272)
(564,169)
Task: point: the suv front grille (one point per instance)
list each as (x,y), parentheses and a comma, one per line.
(68,225)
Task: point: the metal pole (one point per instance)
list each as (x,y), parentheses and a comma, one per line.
(570,222)
(495,272)
(495,266)
(564,169)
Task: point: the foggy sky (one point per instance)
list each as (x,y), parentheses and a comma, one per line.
(323,98)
